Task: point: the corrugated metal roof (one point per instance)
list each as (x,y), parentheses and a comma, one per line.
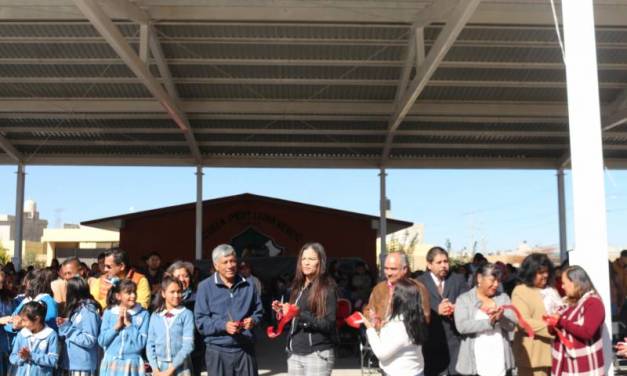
(58,90)
(233,31)
(300,92)
(272,51)
(322,72)
(467,111)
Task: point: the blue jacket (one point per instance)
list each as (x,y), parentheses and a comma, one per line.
(216,304)
(44,352)
(126,343)
(173,342)
(6,309)
(80,334)
(51,311)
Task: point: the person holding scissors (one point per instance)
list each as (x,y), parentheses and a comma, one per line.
(227,309)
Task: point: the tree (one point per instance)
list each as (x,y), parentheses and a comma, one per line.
(4,255)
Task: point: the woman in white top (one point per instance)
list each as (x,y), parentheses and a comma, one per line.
(399,344)
(486,328)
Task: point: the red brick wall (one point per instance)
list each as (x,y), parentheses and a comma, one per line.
(290,226)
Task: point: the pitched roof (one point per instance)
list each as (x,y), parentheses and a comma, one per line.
(116,222)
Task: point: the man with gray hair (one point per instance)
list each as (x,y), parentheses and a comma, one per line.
(396,267)
(227,308)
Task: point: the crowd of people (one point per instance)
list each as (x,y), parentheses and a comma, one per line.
(479,319)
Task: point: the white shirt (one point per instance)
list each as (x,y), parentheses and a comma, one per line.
(397,354)
(552,300)
(437,281)
(489,350)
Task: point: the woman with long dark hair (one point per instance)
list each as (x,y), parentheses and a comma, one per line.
(398,345)
(534,297)
(579,324)
(313,333)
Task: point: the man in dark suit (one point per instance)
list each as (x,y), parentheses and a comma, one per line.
(442,346)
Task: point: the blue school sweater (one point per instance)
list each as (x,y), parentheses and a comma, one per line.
(80,334)
(170,341)
(51,311)
(44,352)
(128,342)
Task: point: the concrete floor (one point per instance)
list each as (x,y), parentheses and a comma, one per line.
(272,359)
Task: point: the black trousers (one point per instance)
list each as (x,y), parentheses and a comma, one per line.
(241,362)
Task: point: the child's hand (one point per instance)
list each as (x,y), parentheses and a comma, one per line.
(17,323)
(24,353)
(120,323)
(127,319)
(61,320)
(5,320)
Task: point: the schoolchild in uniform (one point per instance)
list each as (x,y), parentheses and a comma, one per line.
(171,332)
(124,331)
(79,330)
(7,305)
(35,349)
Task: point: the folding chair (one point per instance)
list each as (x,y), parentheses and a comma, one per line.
(368,361)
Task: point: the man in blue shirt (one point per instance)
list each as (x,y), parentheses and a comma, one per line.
(227,308)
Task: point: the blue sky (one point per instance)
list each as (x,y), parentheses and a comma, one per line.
(497,208)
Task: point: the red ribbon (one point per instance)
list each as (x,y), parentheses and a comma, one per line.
(563,339)
(552,323)
(521,321)
(355,320)
(292,312)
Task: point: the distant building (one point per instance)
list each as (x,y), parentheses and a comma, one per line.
(77,241)
(411,241)
(256,226)
(33,227)
(32,230)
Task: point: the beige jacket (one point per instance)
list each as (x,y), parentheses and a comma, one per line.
(531,353)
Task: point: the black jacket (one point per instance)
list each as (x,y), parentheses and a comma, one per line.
(310,333)
(442,346)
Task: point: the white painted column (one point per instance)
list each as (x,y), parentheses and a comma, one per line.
(19,217)
(561,201)
(383,227)
(198,243)
(586,148)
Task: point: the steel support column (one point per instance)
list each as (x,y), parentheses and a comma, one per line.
(590,247)
(19,217)
(383,206)
(198,243)
(561,200)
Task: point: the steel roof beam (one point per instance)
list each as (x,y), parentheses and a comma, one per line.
(458,19)
(460,118)
(293,161)
(492,12)
(487,133)
(308,63)
(116,40)
(315,144)
(424,108)
(10,150)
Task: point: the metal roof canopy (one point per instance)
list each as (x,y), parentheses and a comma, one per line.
(351,84)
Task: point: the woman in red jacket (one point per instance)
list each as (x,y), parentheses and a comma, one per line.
(578,349)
